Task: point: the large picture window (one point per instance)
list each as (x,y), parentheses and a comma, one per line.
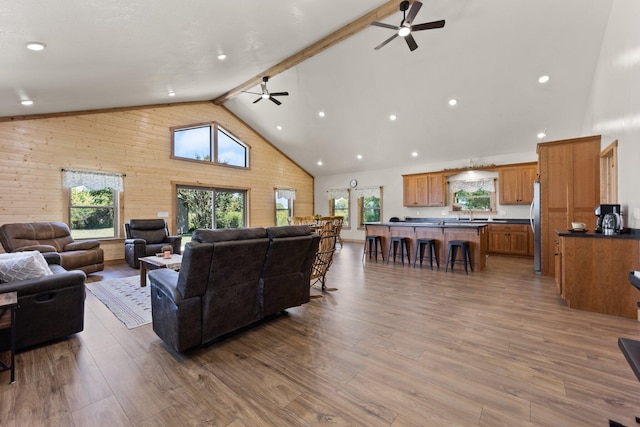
(209,143)
(204,207)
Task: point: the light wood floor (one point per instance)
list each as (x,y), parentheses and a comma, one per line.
(394,346)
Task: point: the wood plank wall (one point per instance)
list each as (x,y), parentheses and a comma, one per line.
(136,142)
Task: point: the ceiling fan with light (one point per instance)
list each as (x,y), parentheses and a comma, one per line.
(266,94)
(405,29)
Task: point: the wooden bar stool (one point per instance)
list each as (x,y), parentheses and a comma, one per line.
(431,248)
(403,243)
(372,242)
(466,254)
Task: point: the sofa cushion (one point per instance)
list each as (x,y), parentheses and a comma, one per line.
(288,231)
(23,265)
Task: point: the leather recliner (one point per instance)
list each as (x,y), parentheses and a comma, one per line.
(85,255)
(147,237)
(49,307)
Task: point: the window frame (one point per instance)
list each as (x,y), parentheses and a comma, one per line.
(360,201)
(115,207)
(214,129)
(290,203)
(492,205)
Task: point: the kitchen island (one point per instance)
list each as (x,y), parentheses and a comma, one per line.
(592,271)
(473,232)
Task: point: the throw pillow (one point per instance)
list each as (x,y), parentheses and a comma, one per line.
(23,265)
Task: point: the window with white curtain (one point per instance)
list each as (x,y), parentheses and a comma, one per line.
(339,205)
(473,195)
(284,205)
(369,204)
(93,203)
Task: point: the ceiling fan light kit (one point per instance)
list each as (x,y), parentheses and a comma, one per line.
(406,28)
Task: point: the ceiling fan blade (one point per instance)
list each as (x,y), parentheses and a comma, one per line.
(415,7)
(411,42)
(279,94)
(275,101)
(256,100)
(386,41)
(383,25)
(428,25)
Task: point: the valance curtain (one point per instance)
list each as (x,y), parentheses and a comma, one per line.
(373,191)
(285,193)
(92,180)
(487,184)
(338,193)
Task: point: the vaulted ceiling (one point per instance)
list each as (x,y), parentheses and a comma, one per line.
(488,57)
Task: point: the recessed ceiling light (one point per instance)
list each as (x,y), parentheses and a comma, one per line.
(541,135)
(393,117)
(35,46)
(453,102)
(543,79)
(321,113)
(222,57)
(26,102)
(414,154)
(279,127)
(359,156)
(172,93)
(320,163)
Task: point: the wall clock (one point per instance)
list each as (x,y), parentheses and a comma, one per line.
(353,183)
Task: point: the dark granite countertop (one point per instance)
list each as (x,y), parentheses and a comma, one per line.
(441,224)
(633,234)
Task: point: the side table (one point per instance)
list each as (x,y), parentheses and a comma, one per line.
(8,305)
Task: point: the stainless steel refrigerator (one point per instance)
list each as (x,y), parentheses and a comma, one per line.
(534,220)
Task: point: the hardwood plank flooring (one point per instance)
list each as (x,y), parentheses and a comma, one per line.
(394,346)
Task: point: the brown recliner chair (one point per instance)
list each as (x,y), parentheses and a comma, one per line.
(85,255)
(146,237)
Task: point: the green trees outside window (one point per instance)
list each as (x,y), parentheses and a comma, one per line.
(210,208)
(92,213)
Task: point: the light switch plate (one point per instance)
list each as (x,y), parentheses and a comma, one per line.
(163,214)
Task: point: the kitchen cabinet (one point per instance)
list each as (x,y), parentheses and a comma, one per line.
(594,272)
(427,189)
(569,189)
(515,184)
(509,239)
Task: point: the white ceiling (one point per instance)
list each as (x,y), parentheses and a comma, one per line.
(104,54)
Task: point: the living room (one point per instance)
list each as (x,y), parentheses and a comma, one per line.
(136,141)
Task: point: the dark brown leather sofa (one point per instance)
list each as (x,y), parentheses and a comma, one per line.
(49,307)
(85,255)
(146,237)
(230,279)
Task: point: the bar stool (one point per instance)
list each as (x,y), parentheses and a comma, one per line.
(431,248)
(373,242)
(466,254)
(403,243)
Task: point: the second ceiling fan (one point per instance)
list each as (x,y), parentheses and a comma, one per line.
(406,28)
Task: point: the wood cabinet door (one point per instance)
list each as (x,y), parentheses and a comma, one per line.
(422,190)
(528,175)
(436,193)
(519,242)
(508,183)
(409,190)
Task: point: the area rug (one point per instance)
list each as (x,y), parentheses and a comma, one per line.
(126,299)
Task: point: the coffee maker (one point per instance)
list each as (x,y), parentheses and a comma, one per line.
(601,211)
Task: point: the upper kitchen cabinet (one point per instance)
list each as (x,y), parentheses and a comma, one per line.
(516,183)
(426,189)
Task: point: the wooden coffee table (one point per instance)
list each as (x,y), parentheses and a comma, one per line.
(155,262)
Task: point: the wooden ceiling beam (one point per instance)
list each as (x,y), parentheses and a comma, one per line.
(332,39)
